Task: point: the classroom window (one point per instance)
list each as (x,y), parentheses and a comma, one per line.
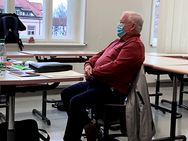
(55,21)
(154,24)
(31,16)
(2,6)
(59,18)
(17,11)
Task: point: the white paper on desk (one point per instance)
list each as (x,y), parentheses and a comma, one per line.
(69,73)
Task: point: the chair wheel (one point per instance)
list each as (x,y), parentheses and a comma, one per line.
(54,105)
(48,122)
(114,128)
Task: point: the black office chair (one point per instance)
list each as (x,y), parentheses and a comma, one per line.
(136,94)
(114,120)
(4,104)
(182,91)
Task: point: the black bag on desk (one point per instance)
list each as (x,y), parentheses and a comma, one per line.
(49,66)
(25,130)
(10,25)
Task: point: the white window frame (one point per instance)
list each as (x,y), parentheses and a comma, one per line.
(78,27)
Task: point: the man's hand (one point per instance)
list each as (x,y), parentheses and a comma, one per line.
(88,72)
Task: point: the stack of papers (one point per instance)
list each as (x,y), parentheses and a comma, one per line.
(69,73)
(23,73)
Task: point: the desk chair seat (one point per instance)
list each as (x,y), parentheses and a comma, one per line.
(118,123)
(182,91)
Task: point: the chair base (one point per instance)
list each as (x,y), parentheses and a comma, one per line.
(105,135)
(108,138)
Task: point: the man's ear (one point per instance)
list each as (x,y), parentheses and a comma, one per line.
(133,26)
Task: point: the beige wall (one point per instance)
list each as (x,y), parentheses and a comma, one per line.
(102,17)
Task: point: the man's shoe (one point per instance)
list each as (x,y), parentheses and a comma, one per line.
(91,131)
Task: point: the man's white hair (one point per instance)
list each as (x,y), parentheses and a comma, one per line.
(136,18)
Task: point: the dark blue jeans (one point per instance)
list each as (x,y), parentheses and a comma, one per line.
(85,95)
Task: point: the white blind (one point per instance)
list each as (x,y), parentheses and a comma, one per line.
(173,27)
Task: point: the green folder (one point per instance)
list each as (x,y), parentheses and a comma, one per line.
(19,67)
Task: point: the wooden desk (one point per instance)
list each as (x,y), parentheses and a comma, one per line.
(163,61)
(170,65)
(180,69)
(60,53)
(66,56)
(185,56)
(9,83)
(177,69)
(178,55)
(151,61)
(19,55)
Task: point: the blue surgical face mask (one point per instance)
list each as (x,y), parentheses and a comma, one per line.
(120,31)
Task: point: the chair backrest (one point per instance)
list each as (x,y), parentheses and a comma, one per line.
(134,80)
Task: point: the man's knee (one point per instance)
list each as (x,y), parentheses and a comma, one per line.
(74,102)
(64,93)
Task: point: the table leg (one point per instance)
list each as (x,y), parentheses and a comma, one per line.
(10,90)
(174,108)
(173,136)
(11,131)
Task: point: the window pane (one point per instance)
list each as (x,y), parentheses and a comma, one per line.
(2,6)
(59,18)
(30,28)
(156,17)
(30,12)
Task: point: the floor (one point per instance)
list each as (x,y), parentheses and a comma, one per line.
(25,103)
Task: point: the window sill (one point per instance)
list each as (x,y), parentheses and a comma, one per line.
(54,44)
(153,46)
